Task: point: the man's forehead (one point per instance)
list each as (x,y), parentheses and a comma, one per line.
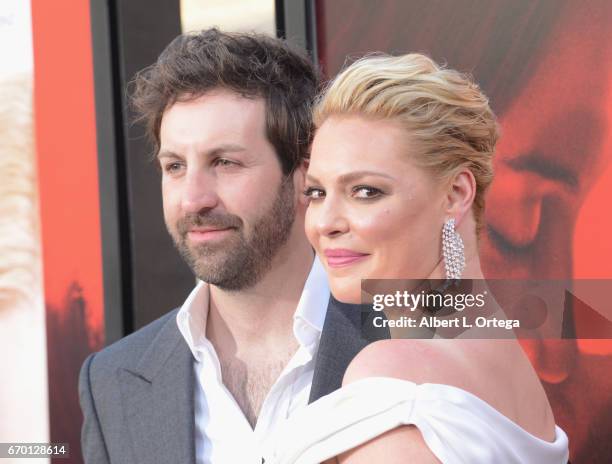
(226,116)
(216,97)
(221,149)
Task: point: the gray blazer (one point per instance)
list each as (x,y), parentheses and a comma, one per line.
(137,395)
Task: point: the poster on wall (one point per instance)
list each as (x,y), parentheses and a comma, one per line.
(68,197)
(546,66)
(23,390)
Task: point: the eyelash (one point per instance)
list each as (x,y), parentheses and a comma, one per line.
(377,192)
(310,190)
(223,162)
(169,168)
(175,165)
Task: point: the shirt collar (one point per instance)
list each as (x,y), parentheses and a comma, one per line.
(312,307)
(191,318)
(307,320)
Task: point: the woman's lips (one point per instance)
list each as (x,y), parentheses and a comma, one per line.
(342,257)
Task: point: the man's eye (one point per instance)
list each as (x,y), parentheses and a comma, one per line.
(172,167)
(364,191)
(314,193)
(224,162)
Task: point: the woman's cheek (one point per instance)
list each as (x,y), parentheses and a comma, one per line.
(379,232)
(309,226)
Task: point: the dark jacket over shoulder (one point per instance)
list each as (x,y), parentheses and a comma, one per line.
(137,394)
(137,398)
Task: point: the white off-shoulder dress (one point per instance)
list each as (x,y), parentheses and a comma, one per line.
(456,425)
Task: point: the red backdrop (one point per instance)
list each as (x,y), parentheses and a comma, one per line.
(69,202)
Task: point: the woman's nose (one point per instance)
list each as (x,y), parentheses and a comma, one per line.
(332,219)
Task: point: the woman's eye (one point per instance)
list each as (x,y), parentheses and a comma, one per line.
(364,191)
(314,193)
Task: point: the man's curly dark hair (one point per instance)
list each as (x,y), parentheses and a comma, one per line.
(252,65)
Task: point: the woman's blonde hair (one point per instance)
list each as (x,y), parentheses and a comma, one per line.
(442,110)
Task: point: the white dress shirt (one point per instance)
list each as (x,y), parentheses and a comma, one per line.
(222,432)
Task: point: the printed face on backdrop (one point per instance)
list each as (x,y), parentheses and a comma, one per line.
(227,205)
(549,156)
(373,213)
(547,159)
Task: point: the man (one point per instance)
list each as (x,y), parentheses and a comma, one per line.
(229,115)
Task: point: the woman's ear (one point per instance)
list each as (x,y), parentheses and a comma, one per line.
(461,193)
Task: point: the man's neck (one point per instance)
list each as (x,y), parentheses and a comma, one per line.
(252,330)
(261,317)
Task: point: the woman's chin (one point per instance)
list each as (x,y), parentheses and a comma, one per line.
(345,290)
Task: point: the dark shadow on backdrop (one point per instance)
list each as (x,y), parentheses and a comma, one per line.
(144,277)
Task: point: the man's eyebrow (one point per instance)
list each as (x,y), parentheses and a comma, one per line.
(352,176)
(166,154)
(216,151)
(225,148)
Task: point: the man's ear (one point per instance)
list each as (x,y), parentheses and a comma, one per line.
(461,193)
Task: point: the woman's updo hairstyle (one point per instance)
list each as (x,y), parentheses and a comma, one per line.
(443,111)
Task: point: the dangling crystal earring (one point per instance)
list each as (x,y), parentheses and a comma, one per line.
(452,251)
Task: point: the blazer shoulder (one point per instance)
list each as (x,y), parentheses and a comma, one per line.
(127,351)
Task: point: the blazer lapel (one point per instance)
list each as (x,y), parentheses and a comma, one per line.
(342,338)
(158,400)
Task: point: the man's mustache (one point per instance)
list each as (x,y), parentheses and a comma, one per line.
(213,220)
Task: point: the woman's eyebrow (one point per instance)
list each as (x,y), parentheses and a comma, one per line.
(352,176)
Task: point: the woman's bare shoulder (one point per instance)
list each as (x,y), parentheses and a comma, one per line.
(497,371)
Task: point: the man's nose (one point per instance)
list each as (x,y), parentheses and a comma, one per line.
(332,219)
(199,192)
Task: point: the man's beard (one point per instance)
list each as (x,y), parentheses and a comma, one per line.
(238,261)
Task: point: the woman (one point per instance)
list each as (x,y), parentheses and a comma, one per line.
(400,164)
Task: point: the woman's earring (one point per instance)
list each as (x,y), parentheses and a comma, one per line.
(452,251)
